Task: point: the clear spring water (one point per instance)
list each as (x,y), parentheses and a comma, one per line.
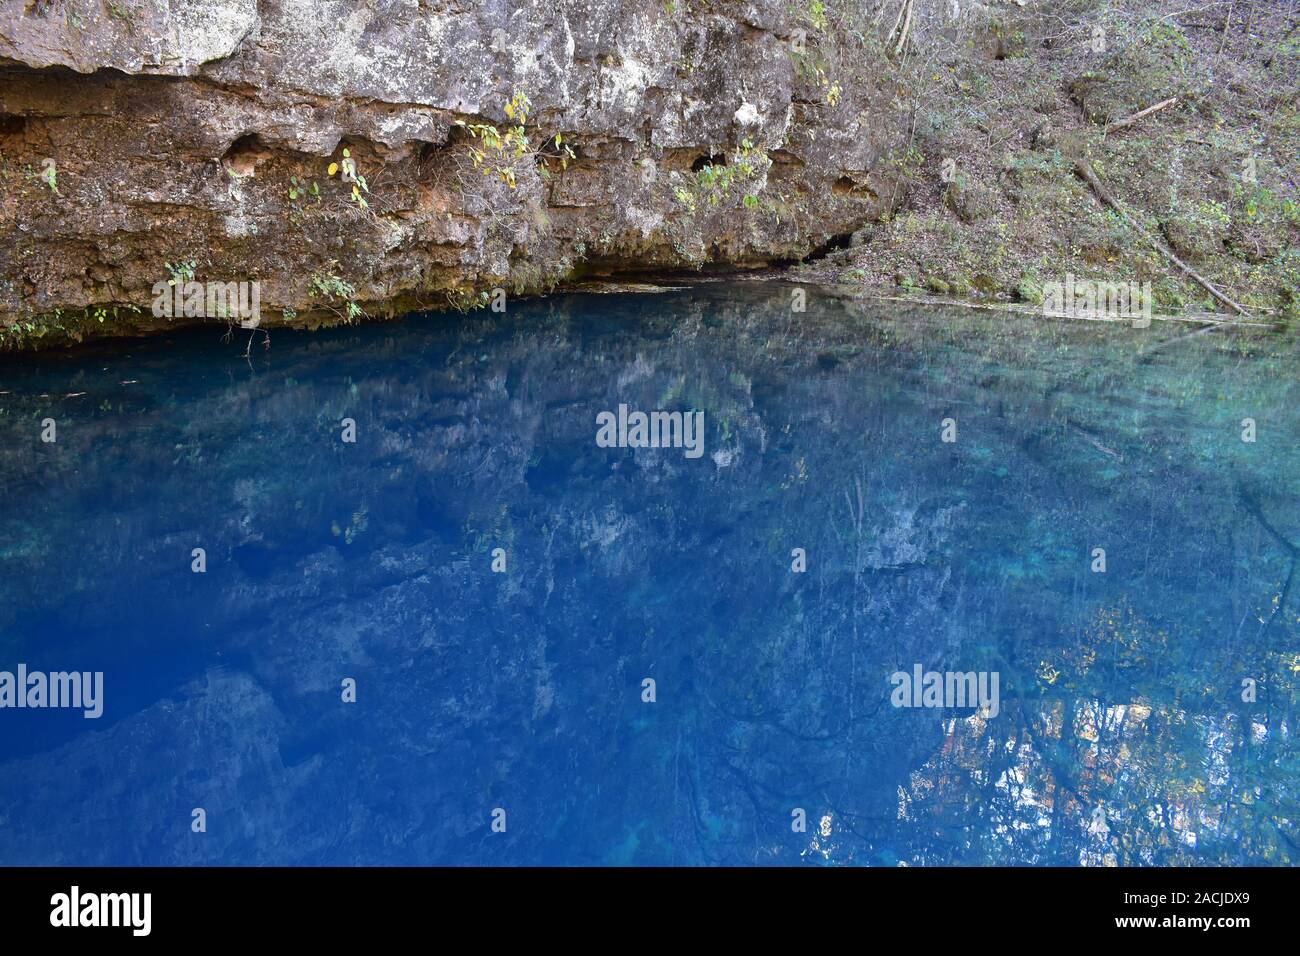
(1122,735)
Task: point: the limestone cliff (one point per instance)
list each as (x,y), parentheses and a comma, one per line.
(143,141)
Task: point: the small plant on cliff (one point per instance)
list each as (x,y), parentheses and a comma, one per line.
(810,62)
(180,272)
(499,153)
(715,184)
(119,11)
(332,288)
(350,175)
(51,176)
(101,312)
(299,188)
(300,192)
(468,300)
(48,176)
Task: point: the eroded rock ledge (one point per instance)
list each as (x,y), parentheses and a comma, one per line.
(140,136)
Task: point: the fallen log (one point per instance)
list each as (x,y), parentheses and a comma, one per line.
(1083,169)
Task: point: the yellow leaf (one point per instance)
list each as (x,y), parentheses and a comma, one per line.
(334,168)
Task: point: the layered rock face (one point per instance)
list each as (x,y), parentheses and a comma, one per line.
(326,149)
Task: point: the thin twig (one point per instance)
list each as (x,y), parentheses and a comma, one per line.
(1226,24)
(1130,120)
(1183,13)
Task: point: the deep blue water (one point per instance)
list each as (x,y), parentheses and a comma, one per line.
(1122,734)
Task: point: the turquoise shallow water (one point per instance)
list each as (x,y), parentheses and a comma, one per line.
(1145,713)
